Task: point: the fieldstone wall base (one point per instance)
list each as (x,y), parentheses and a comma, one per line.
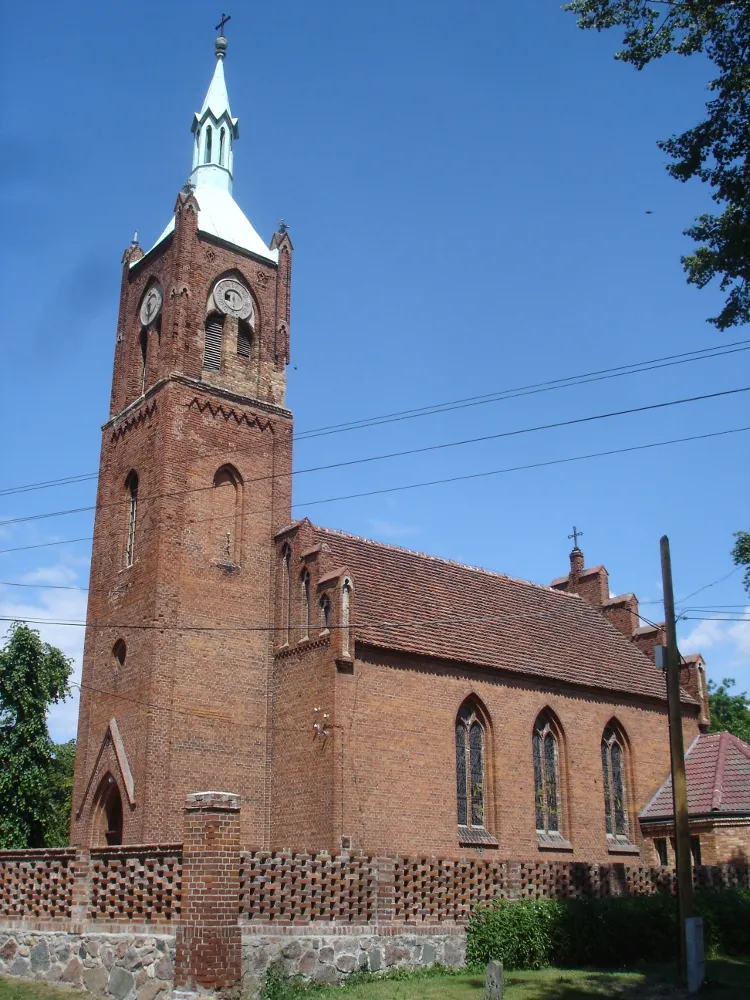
(119,966)
(329,959)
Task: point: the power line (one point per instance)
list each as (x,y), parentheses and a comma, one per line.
(45,545)
(476,475)
(395,454)
(635,368)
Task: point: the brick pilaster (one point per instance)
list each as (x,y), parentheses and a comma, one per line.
(81,892)
(386,890)
(209,941)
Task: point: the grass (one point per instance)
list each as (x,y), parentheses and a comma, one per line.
(728,979)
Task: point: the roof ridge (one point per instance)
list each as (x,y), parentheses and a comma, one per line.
(447,562)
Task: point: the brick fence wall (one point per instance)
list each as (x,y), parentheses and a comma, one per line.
(205,896)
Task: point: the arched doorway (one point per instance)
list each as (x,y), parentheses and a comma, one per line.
(108,814)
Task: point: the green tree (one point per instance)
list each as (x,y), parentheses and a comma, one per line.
(33,676)
(741,555)
(57,826)
(729,711)
(717,149)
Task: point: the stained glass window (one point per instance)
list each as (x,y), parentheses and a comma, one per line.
(469,767)
(615,810)
(546,778)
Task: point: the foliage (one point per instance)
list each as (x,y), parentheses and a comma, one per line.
(618,932)
(729,711)
(277,985)
(741,555)
(717,149)
(33,675)
(57,827)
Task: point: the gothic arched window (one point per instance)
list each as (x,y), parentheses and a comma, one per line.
(325,613)
(209,137)
(286,596)
(108,819)
(131,485)
(470,766)
(212,347)
(227,505)
(346,615)
(305,579)
(222,137)
(613,772)
(546,776)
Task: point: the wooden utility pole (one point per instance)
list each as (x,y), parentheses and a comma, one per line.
(677,754)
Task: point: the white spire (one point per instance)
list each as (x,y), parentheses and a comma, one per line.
(215,131)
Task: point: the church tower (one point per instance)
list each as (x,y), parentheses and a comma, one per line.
(194,480)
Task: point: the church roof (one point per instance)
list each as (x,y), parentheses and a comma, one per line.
(424,605)
(717,768)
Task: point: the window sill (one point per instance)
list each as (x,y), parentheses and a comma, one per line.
(552,842)
(617,846)
(475,836)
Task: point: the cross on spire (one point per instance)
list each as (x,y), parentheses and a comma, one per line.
(575,536)
(224,19)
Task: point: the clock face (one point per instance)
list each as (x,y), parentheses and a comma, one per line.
(232,298)
(151,305)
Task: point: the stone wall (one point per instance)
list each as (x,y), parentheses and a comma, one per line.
(119,965)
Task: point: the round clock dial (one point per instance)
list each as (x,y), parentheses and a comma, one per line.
(231,297)
(151,305)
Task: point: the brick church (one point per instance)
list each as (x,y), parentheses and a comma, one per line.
(356,695)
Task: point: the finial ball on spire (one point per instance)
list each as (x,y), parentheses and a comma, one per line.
(221,47)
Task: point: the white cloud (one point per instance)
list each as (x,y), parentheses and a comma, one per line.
(725,645)
(58,606)
(59,575)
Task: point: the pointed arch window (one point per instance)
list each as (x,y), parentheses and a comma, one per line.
(286,596)
(108,818)
(227,514)
(546,776)
(212,347)
(615,796)
(470,767)
(325,613)
(305,580)
(346,615)
(222,139)
(209,138)
(131,486)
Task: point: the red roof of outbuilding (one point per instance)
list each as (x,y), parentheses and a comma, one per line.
(427,606)
(717,767)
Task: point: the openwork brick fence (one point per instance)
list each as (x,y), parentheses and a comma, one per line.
(134,922)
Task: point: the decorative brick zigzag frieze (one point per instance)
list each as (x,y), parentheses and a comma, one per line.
(143,414)
(229,413)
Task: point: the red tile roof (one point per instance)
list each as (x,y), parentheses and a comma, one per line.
(717,766)
(420,604)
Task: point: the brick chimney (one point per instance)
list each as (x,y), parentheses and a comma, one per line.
(693,680)
(592,584)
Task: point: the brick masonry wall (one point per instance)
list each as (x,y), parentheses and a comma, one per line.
(397,765)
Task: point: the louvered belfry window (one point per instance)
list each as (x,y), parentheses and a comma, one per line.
(212,349)
(244,338)
(469,767)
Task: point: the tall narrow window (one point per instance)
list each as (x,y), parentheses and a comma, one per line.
(131,485)
(660,846)
(305,578)
(244,338)
(286,597)
(695,850)
(346,614)
(212,348)
(209,136)
(222,137)
(470,795)
(546,777)
(144,359)
(615,811)
(226,504)
(325,613)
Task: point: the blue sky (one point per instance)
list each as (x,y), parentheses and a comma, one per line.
(467,189)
